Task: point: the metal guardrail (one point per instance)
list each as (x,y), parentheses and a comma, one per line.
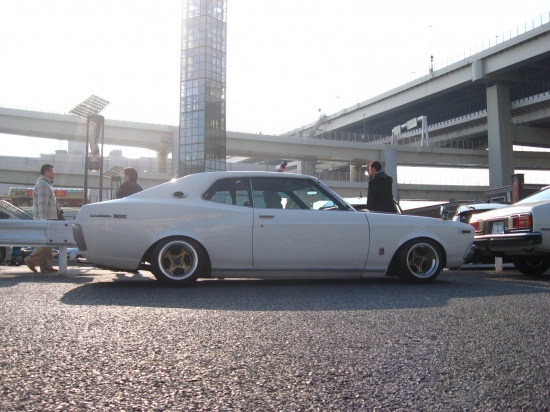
(39,233)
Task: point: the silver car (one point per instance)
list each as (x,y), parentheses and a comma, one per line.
(262,225)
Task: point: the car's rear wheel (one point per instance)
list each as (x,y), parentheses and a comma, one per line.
(532,265)
(419,260)
(177,261)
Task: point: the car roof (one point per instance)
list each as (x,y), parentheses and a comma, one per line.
(195,184)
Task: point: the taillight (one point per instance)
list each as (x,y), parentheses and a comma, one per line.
(478,226)
(520,222)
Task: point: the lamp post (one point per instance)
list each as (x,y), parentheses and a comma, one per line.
(94,158)
(95,130)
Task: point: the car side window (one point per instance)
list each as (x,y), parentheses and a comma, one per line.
(294,194)
(230,192)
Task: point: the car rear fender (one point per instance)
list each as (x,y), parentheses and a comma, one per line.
(173,233)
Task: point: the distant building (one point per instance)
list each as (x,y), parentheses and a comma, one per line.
(202,130)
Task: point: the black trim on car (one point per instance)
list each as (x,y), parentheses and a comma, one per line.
(511,239)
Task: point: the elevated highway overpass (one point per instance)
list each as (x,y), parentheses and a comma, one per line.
(161,138)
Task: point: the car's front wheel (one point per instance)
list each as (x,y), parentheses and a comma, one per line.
(177,261)
(532,265)
(420,260)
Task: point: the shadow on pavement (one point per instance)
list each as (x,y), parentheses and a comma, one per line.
(304,295)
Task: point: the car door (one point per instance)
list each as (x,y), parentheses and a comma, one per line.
(229,238)
(293,230)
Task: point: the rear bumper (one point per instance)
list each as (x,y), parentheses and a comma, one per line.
(470,252)
(507,240)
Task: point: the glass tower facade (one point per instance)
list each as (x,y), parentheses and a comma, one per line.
(202,96)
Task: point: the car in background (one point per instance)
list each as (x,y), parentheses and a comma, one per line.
(262,225)
(519,232)
(73,253)
(465,211)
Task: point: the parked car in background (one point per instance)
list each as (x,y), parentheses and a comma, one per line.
(73,253)
(519,232)
(465,211)
(262,225)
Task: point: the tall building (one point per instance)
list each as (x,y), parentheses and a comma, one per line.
(202,129)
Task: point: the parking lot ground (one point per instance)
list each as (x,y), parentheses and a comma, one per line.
(92,339)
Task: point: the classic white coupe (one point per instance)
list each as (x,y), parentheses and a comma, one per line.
(520,232)
(262,225)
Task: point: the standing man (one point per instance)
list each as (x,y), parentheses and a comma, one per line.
(44,206)
(130,185)
(379,196)
(369,173)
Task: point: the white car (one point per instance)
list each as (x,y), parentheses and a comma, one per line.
(520,232)
(465,211)
(262,225)
(73,253)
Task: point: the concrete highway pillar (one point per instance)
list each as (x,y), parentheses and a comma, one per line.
(307,167)
(499,130)
(162,162)
(388,157)
(354,173)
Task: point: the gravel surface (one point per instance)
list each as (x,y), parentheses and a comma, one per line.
(100,340)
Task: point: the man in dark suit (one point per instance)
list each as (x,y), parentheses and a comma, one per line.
(380,196)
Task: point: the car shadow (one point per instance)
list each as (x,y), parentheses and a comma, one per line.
(302,295)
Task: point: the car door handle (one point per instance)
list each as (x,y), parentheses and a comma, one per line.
(267,216)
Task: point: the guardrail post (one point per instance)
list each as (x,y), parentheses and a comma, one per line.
(62,260)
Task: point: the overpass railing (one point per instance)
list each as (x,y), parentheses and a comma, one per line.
(402,141)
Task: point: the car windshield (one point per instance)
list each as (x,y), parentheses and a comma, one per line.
(543,194)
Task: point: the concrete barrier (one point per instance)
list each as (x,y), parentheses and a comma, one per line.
(54,233)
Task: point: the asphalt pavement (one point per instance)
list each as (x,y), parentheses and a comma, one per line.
(475,340)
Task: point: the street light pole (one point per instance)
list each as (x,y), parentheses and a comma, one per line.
(95,130)
(89,109)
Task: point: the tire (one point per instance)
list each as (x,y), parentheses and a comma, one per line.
(177,261)
(532,265)
(419,260)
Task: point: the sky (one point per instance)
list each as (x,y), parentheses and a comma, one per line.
(287,60)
